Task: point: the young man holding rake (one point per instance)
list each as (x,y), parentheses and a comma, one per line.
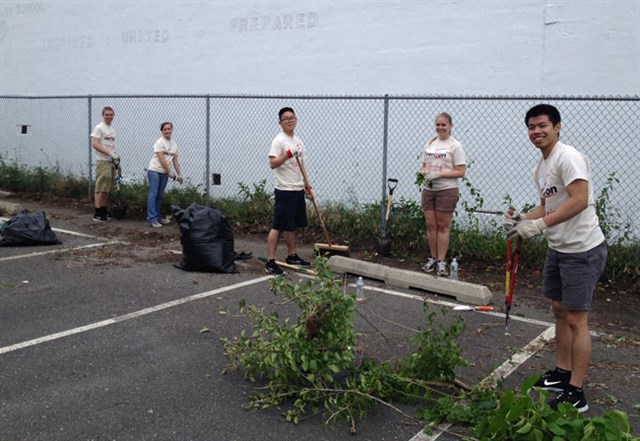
(576,255)
(290,211)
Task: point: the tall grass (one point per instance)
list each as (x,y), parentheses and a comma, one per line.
(353,223)
(41,180)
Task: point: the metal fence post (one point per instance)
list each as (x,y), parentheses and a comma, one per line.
(385,134)
(89,101)
(208,149)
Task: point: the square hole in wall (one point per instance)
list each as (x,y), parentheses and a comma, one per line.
(24,129)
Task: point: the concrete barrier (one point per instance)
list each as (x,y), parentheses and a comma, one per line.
(9,208)
(464,292)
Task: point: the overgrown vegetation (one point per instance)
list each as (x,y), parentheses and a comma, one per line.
(308,363)
(41,180)
(353,223)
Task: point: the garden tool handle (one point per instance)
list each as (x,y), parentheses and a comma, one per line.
(392,183)
(388,212)
(305,180)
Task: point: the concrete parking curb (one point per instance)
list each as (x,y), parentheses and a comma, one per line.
(9,208)
(463,291)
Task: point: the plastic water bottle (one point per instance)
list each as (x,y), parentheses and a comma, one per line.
(454,270)
(360,289)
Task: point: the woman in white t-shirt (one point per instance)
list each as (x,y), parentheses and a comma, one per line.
(443,163)
(165,153)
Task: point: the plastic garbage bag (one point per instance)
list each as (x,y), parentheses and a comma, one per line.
(28,228)
(206,238)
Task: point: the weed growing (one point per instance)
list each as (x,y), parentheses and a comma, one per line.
(41,180)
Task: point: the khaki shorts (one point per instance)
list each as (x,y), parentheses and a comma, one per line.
(441,200)
(105,173)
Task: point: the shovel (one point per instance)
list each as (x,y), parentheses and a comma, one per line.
(382,243)
(119,211)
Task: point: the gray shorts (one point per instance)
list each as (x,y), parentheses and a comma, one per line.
(571,278)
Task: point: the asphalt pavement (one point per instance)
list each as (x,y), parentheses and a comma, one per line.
(102,339)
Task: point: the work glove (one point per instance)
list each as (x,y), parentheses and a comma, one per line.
(180,179)
(114,156)
(116,162)
(527,229)
(511,218)
(431,176)
(172,175)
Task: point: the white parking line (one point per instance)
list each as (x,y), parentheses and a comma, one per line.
(503,371)
(74,233)
(507,368)
(452,304)
(130,316)
(61,250)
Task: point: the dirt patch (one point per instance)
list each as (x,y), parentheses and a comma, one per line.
(116,255)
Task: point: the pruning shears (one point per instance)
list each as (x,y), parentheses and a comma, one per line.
(512,270)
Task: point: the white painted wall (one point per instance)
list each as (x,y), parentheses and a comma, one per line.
(526,47)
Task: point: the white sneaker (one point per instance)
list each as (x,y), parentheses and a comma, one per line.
(442,268)
(430,266)
(165,221)
(156,224)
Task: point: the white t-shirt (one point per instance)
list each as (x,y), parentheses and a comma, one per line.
(288,175)
(107,137)
(552,176)
(165,147)
(442,155)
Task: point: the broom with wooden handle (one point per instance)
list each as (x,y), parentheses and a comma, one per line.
(320,247)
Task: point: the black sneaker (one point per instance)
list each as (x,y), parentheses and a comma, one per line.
(297,260)
(98,218)
(572,396)
(271,267)
(554,381)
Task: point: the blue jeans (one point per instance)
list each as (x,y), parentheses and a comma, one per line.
(157,183)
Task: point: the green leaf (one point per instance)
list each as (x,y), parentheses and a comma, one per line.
(203,330)
(525,429)
(556,430)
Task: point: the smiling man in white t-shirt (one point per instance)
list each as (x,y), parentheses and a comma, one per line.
(103,141)
(576,255)
(289,213)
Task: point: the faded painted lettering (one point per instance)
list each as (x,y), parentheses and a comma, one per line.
(145,36)
(266,23)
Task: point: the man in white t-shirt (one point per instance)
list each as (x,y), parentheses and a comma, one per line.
(576,255)
(103,141)
(290,211)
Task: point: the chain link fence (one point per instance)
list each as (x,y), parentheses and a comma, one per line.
(353,143)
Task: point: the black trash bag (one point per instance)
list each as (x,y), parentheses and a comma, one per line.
(28,228)
(206,238)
